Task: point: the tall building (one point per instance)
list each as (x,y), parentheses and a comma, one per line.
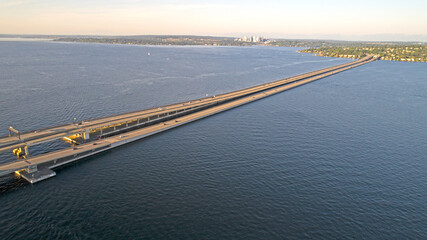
(254,39)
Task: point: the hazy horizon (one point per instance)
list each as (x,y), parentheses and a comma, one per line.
(366,38)
(335,20)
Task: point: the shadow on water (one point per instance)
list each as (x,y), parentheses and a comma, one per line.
(12,182)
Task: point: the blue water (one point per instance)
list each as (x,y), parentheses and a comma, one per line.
(340,158)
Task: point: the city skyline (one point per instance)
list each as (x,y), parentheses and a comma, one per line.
(361,20)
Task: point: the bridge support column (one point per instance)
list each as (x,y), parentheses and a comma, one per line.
(86,135)
(31,169)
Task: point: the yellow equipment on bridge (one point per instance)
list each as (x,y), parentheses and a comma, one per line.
(19,152)
(71,140)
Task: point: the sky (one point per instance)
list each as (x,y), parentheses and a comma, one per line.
(377,20)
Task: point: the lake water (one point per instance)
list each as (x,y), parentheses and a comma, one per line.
(340,158)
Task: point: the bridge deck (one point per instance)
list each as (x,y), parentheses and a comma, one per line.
(53,133)
(71,154)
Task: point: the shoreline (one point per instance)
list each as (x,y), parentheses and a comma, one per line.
(387,53)
(401,53)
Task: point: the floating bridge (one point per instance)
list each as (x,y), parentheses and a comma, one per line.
(93,136)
